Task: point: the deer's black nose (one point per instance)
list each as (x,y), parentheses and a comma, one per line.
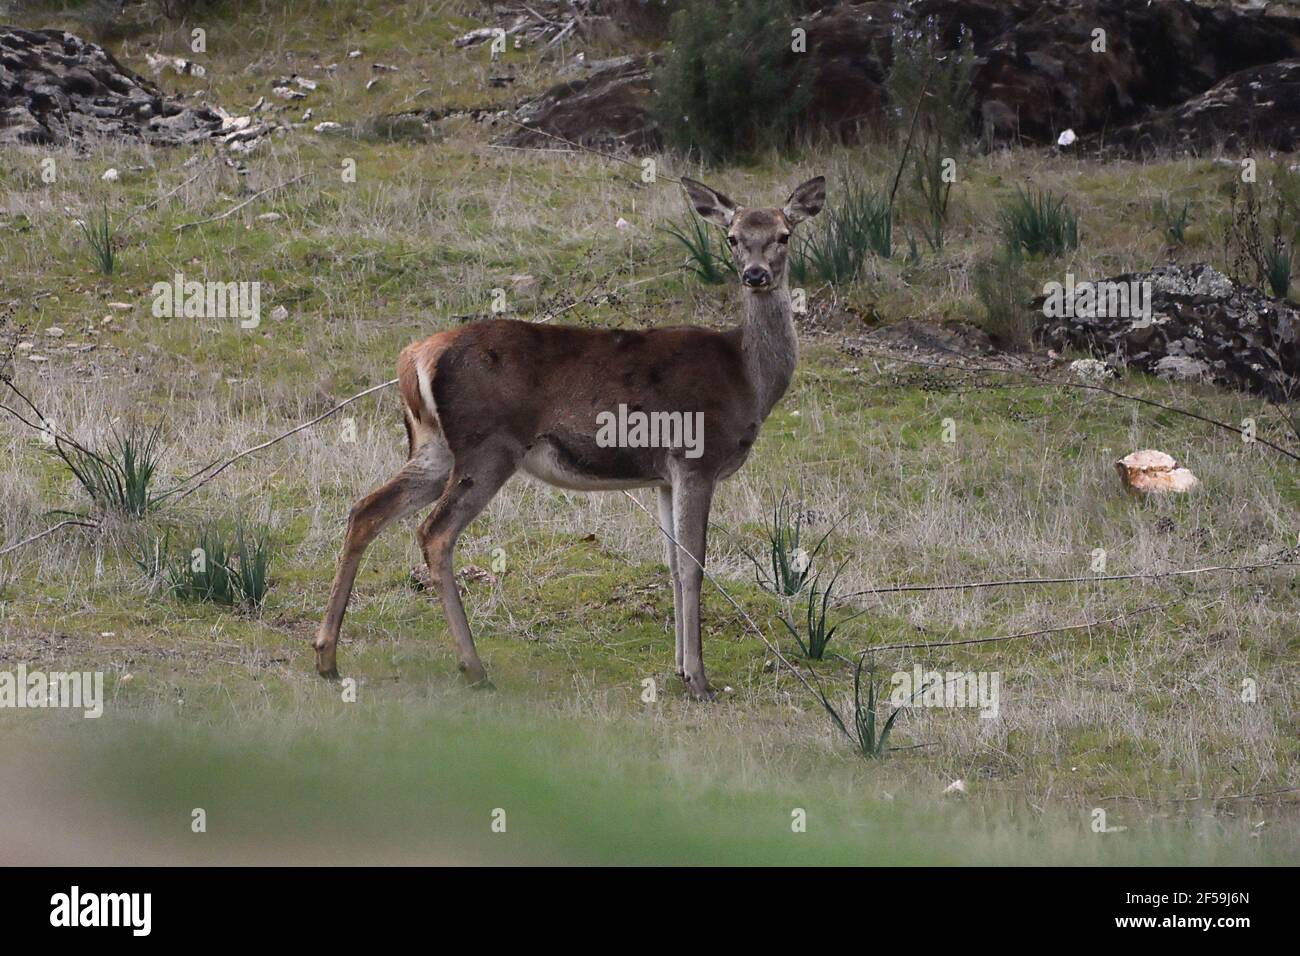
(755,276)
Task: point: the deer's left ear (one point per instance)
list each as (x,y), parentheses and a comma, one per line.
(806,201)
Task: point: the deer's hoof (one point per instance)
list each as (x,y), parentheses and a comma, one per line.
(476,677)
(700,689)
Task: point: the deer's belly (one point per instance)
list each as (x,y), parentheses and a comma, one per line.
(555,465)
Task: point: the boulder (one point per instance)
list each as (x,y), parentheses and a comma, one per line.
(1203,327)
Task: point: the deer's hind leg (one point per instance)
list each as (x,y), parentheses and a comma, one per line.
(476,477)
(420,481)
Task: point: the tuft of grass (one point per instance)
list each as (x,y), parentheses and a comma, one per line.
(862,731)
(202,573)
(817,631)
(218,571)
(861,224)
(254,553)
(1173,224)
(788,563)
(118,477)
(1277,267)
(1039,224)
(98,232)
(704,259)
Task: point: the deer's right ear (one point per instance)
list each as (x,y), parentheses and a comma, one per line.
(711,205)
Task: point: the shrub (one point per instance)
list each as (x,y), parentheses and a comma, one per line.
(119,476)
(1039,224)
(930,91)
(861,223)
(726,87)
(1002,288)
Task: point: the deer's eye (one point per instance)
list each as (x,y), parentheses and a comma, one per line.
(784,238)
(732,241)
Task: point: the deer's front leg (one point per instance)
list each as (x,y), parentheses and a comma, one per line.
(667,525)
(691,499)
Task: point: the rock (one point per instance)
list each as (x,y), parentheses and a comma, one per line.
(1258,107)
(1150,471)
(56,88)
(110,176)
(1202,326)
(1091,370)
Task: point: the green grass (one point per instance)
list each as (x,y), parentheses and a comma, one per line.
(1145,714)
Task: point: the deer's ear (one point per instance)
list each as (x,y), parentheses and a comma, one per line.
(710,204)
(806,201)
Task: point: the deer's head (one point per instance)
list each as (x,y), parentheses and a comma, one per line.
(759,238)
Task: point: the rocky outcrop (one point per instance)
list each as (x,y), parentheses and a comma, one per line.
(1202,326)
(1255,107)
(56,88)
(1040,70)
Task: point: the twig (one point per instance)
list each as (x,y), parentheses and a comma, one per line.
(48,531)
(911,132)
(1023,634)
(266,444)
(1150,575)
(238,206)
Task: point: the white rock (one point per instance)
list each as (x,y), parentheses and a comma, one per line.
(110,176)
(1067,138)
(326,127)
(279,313)
(1091,370)
(54,332)
(957,786)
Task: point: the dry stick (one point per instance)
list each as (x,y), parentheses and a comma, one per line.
(1024,634)
(48,531)
(911,132)
(267,444)
(238,206)
(1151,575)
(149,205)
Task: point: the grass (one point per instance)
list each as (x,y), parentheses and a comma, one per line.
(1036,223)
(705,257)
(119,476)
(97,230)
(212,706)
(858,225)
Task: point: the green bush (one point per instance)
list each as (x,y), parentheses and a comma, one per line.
(727,86)
(1002,289)
(118,477)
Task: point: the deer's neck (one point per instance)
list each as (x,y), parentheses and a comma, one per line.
(769,344)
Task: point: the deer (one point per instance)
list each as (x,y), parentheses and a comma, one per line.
(486,399)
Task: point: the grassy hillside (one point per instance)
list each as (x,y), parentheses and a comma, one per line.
(216,708)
